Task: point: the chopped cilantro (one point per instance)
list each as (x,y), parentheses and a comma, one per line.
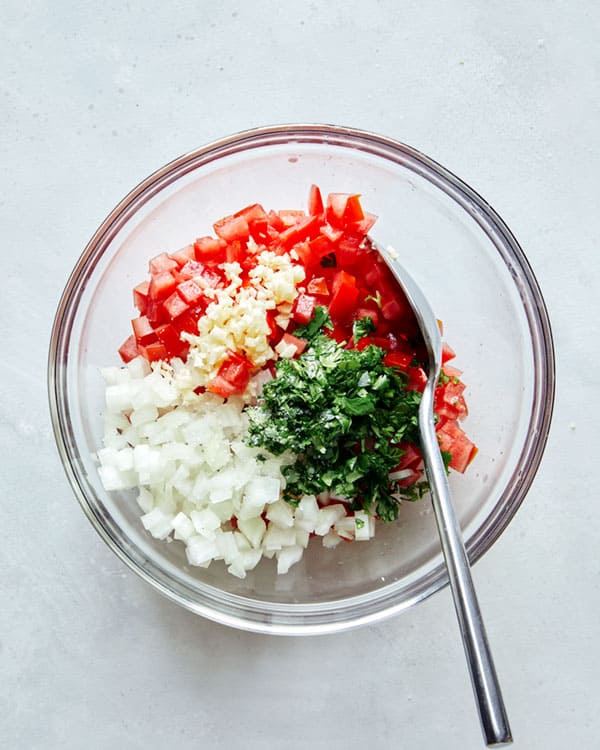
(362,327)
(343,413)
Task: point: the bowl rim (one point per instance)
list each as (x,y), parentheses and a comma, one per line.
(305,619)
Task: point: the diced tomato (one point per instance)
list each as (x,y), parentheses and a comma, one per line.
(128,349)
(190,269)
(154,351)
(182,256)
(209,249)
(453,440)
(168,335)
(353,212)
(331,233)
(336,209)
(275,221)
(155,312)
(232,228)
(233,376)
(235,252)
(315,201)
(161,285)
(290,218)
(140,296)
(411,457)
(162,263)
(411,479)
(319,247)
(343,298)
(347,253)
(175,306)
(190,292)
(318,286)
(254,212)
(188,322)
(302,230)
(393,309)
(304,307)
(449,401)
(299,343)
(363,227)
(259,230)
(447,353)
(417,378)
(143,330)
(382,343)
(400,360)
(451,372)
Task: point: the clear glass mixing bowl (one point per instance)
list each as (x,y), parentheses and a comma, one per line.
(478,281)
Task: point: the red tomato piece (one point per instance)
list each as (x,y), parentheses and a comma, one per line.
(162,263)
(289,218)
(343,298)
(304,229)
(140,296)
(331,234)
(155,312)
(188,322)
(417,377)
(363,227)
(259,230)
(299,343)
(143,330)
(453,440)
(382,343)
(451,372)
(318,286)
(411,457)
(161,285)
(254,212)
(447,353)
(401,360)
(304,307)
(235,252)
(153,352)
(315,201)
(181,257)
(190,292)
(168,335)
(210,249)
(353,212)
(191,269)
(233,376)
(336,208)
(232,228)
(175,306)
(275,221)
(128,349)
(347,253)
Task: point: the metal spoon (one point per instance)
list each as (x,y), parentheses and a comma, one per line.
(494,721)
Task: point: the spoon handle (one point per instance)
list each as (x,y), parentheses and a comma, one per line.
(492,713)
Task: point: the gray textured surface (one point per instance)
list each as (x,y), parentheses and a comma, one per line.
(94,96)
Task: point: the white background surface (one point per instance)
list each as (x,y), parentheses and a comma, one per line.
(95,96)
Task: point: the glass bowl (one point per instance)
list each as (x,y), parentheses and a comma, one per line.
(479,283)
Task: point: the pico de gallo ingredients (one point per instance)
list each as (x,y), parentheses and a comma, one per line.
(270,389)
